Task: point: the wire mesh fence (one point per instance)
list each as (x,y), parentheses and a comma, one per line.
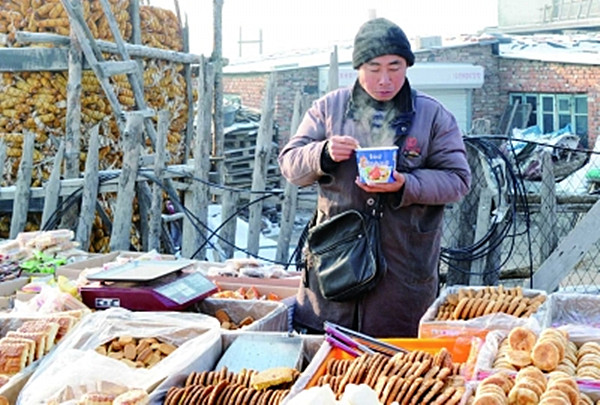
(513,218)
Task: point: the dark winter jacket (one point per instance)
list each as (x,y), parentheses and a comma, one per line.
(434,162)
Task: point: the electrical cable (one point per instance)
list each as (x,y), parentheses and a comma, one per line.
(501,228)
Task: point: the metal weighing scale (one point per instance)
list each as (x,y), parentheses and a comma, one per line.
(147,285)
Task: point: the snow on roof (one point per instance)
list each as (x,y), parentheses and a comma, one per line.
(295,59)
(562,48)
(574,48)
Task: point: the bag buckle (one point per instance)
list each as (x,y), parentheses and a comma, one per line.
(376,211)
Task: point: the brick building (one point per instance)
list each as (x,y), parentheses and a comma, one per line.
(558,76)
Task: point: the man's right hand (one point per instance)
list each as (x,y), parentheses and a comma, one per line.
(341,147)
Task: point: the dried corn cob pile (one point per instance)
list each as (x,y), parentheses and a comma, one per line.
(36,101)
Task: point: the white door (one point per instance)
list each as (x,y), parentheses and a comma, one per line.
(457,101)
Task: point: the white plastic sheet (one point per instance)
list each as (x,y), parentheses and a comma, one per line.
(496,321)
(75,366)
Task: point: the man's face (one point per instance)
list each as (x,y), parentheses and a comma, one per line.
(383,77)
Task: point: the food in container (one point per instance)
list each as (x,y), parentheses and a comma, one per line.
(376,164)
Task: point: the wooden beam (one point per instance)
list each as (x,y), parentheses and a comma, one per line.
(122,215)
(264,140)
(547,207)
(33,59)
(154,228)
(217,61)
(22,194)
(230,201)
(2,157)
(194,234)
(90,191)
(290,194)
(141,51)
(568,253)
(189,94)
(52,187)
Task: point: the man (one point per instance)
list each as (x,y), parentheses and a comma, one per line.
(381,109)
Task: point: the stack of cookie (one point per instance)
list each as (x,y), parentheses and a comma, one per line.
(588,361)
(552,350)
(407,378)
(469,303)
(225,387)
(530,386)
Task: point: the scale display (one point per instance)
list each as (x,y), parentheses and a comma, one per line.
(186,288)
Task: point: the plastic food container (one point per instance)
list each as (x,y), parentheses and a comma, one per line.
(376,165)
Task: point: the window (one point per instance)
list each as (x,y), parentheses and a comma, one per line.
(552,112)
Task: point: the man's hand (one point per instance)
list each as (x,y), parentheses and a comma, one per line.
(341,147)
(370,187)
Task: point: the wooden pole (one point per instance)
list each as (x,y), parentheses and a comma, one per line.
(22,193)
(155,227)
(547,225)
(197,200)
(290,194)
(230,200)
(187,72)
(52,187)
(73,125)
(334,70)
(131,145)
(217,60)
(263,148)
(90,191)
(2,157)
(136,29)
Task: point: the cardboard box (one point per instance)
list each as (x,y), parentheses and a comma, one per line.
(268,316)
(282,288)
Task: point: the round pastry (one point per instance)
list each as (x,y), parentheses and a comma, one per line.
(500,379)
(522,396)
(531,384)
(534,373)
(545,356)
(555,395)
(519,358)
(572,394)
(521,338)
(489,398)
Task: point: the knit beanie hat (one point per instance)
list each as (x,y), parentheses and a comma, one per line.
(380,37)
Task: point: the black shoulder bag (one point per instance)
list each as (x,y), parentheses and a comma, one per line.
(345,253)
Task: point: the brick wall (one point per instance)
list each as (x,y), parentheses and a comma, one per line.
(501,77)
(487,101)
(251,88)
(517,75)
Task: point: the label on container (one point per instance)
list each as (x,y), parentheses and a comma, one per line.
(376,165)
